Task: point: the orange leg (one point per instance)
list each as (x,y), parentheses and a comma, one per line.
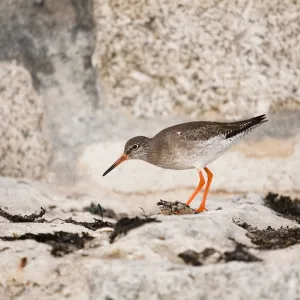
(198,189)
(209,180)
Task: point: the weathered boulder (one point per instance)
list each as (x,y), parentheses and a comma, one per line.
(24,150)
(170,58)
(245,250)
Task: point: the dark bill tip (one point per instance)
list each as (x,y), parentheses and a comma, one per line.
(120,160)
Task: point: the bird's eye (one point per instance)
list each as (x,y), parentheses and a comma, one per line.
(134,147)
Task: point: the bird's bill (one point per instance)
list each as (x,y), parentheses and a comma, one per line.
(120,160)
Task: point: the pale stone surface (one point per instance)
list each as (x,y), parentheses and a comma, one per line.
(165,281)
(43,277)
(29,196)
(170,58)
(145,263)
(24,150)
(213,229)
(9,230)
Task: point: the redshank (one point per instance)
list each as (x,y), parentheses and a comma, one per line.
(188,146)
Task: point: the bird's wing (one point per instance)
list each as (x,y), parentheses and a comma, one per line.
(198,131)
(202,131)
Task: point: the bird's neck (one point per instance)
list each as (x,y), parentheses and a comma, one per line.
(153,153)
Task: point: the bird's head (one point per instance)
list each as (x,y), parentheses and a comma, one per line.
(135,148)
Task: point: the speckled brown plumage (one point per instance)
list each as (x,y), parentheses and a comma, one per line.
(201,130)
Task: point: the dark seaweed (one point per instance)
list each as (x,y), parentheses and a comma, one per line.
(124,225)
(270,238)
(97,224)
(21,219)
(240,253)
(61,242)
(287,207)
(103,212)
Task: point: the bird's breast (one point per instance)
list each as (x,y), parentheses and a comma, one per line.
(175,155)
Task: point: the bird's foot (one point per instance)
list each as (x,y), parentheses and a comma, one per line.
(201,209)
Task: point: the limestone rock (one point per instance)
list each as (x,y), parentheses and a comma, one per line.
(24,151)
(175,57)
(164,281)
(145,262)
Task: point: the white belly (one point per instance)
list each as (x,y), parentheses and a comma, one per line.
(201,154)
(183,155)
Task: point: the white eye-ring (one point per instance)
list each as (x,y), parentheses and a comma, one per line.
(134,147)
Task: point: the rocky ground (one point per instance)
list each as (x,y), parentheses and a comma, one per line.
(73,248)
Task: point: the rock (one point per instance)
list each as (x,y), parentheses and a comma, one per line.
(149,257)
(43,277)
(216,229)
(27,197)
(53,41)
(24,149)
(189,58)
(146,261)
(165,281)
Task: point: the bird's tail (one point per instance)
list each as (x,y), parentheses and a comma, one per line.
(246,125)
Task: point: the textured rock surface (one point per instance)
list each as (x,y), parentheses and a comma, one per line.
(168,58)
(145,262)
(164,281)
(53,40)
(24,150)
